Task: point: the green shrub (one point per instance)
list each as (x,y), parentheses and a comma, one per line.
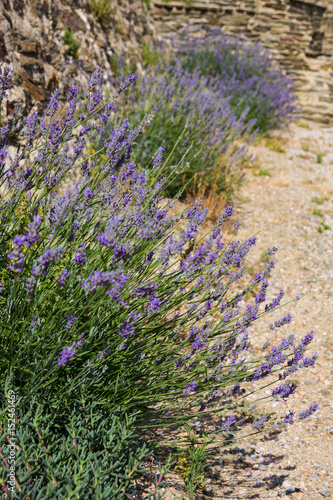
(79,452)
(102,9)
(72,41)
(150,56)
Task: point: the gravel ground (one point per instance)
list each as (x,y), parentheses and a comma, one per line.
(288,197)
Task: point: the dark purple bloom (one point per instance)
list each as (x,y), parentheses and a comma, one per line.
(45,260)
(33,234)
(228,423)
(190,388)
(5,78)
(310,361)
(154,304)
(158,158)
(66,354)
(271,251)
(237,226)
(127,328)
(302,415)
(280,322)
(53,105)
(275,302)
(283,391)
(71,318)
(17,259)
(289,418)
(95,79)
(80,256)
(115,278)
(259,424)
(62,278)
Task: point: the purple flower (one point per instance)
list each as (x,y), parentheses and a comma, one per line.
(66,354)
(5,78)
(33,323)
(289,418)
(33,234)
(310,361)
(115,278)
(259,424)
(71,318)
(80,256)
(190,388)
(237,226)
(154,304)
(271,251)
(283,391)
(53,105)
(275,302)
(95,79)
(127,328)
(280,322)
(17,259)
(158,158)
(45,260)
(302,415)
(228,423)
(62,278)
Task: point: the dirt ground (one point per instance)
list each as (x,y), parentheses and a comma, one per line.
(288,197)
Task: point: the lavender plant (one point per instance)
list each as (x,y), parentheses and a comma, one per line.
(203,139)
(102,300)
(249,74)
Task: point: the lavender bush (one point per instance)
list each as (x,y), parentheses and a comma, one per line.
(203,139)
(211,95)
(108,297)
(248,73)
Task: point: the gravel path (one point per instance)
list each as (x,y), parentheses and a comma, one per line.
(288,197)
(293,209)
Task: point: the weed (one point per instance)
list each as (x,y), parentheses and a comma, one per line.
(72,41)
(318,212)
(150,57)
(262,172)
(274,145)
(319,157)
(303,125)
(102,9)
(192,463)
(319,201)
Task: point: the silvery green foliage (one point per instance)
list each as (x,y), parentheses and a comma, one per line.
(78,452)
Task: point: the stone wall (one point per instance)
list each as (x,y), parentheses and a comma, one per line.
(300,32)
(32,42)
